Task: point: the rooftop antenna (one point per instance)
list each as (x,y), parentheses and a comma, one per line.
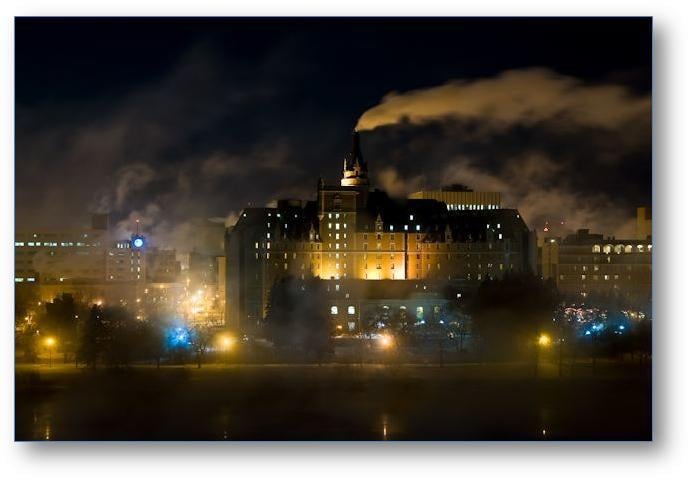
(137,227)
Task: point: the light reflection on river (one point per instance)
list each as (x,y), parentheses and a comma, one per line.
(383,407)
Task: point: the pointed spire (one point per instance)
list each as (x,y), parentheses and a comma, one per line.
(356,156)
(355,171)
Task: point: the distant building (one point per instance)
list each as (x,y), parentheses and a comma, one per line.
(350,232)
(91,265)
(53,257)
(643,223)
(162,266)
(585,264)
(462,199)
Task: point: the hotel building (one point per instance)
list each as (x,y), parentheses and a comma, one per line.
(350,234)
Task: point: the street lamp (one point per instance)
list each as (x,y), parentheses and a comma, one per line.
(544,340)
(226,343)
(386,341)
(50,343)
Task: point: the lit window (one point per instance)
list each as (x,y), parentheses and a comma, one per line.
(337,226)
(333,310)
(351,310)
(411,217)
(418,228)
(500,236)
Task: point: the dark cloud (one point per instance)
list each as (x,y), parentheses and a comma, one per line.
(588,177)
(171,123)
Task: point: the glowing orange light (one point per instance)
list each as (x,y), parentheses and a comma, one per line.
(544,340)
(386,341)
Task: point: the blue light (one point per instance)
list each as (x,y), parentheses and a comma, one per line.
(138,242)
(588,332)
(621,327)
(178,337)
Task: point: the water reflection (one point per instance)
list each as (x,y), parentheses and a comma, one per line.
(224,422)
(385,427)
(249,410)
(42,423)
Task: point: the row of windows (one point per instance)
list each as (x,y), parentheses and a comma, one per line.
(619,248)
(471,207)
(594,277)
(50,244)
(351,310)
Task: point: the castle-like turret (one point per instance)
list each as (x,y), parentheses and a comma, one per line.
(355,171)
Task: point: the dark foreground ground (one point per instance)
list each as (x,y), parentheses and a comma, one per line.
(304,402)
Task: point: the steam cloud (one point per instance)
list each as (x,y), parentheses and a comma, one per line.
(552,144)
(526,96)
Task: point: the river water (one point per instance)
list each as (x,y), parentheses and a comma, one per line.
(331,403)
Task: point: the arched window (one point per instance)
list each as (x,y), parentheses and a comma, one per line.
(618,249)
(607,248)
(628,249)
(596,248)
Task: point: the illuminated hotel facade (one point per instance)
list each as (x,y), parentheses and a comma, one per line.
(351,233)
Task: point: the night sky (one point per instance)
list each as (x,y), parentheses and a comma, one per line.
(171,119)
